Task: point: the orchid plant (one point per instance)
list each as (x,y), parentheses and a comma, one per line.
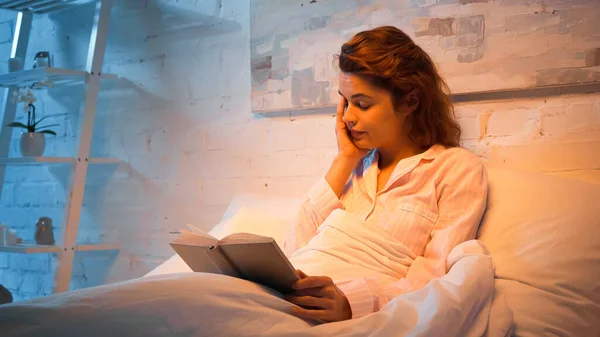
(26,96)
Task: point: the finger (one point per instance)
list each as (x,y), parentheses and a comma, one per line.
(310,301)
(313,282)
(301,273)
(340,111)
(316,292)
(320,315)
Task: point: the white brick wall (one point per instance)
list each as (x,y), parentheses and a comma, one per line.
(564,119)
(181,123)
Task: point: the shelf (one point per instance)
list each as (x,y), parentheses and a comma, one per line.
(38,161)
(96,247)
(30,249)
(40,249)
(58,76)
(41,6)
(103,161)
(35,161)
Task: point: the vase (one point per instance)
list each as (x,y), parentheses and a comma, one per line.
(32,144)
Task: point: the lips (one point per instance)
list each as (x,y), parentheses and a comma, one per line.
(356,134)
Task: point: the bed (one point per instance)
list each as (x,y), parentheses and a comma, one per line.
(535,269)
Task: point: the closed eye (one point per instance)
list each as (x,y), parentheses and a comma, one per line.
(363,106)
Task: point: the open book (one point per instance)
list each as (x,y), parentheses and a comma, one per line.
(247,256)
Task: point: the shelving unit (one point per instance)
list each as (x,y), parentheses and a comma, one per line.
(90,78)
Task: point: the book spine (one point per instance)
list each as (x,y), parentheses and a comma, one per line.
(215,253)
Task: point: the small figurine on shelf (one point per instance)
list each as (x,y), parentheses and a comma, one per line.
(42,59)
(43,231)
(5,295)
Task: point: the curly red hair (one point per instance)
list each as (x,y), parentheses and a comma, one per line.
(390,60)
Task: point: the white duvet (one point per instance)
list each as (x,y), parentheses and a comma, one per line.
(460,304)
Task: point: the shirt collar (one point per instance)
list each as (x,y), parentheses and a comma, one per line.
(429,154)
(371,169)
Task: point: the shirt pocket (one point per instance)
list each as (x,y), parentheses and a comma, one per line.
(410,223)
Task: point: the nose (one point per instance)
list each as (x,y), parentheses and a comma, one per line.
(349,116)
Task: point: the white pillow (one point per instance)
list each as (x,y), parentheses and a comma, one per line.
(278,206)
(543,233)
(255,221)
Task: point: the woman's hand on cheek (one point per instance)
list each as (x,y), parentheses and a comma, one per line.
(346,147)
(318,298)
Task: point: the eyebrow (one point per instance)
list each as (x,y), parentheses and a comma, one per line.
(356,95)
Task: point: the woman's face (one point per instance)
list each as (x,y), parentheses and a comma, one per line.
(370,114)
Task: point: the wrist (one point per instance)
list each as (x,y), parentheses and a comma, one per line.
(347,161)
(339,172)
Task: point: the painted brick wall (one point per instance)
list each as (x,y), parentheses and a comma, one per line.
(179,119)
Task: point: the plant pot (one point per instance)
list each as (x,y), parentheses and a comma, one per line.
(32,144)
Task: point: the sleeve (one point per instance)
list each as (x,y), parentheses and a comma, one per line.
(316,207)
(462,201)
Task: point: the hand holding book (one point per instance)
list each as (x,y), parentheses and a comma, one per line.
(318,298)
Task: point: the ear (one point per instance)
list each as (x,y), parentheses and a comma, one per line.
(412,100)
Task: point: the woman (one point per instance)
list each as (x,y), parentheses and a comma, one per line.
(399,168)
(399,177)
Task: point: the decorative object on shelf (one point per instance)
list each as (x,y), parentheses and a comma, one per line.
(15,64)
(8,237)
(43,231)
(32,142)
(42,59)
(5,295)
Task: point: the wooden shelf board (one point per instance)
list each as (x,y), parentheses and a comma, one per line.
(96,247)
(30,249)
(25,161)
(104,161)
(40,249)
(57,76)
(36,161)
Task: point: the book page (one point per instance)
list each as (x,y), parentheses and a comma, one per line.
(198,231)
(196,237)
(239,238)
